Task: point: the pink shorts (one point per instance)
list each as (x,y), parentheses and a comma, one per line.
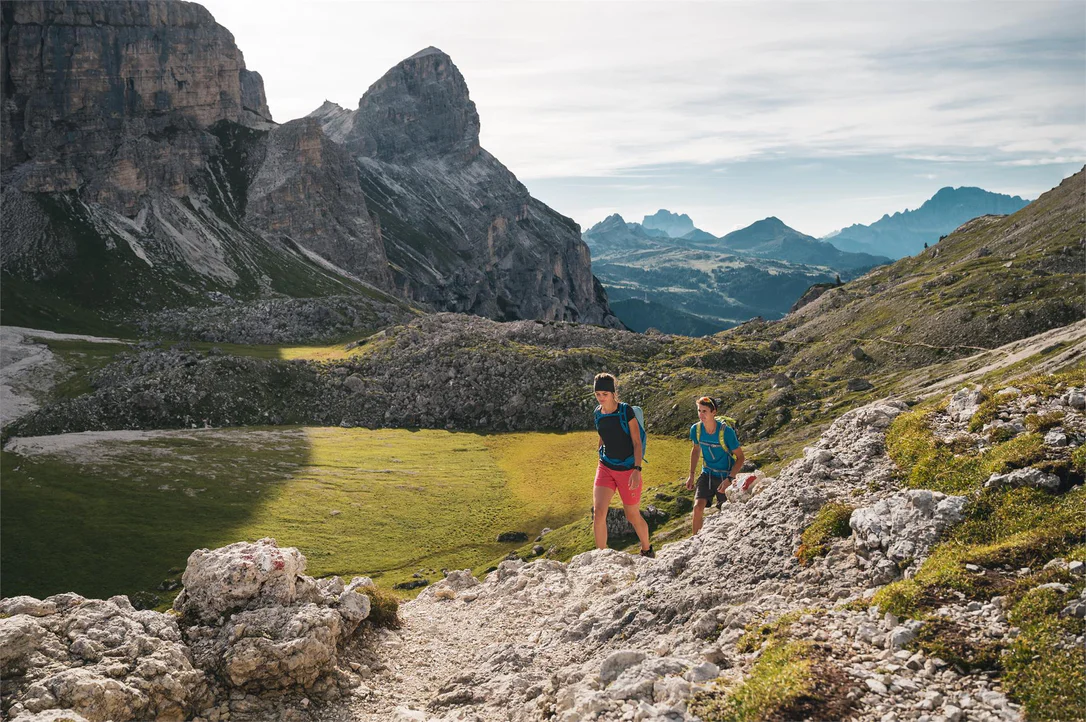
(620,482)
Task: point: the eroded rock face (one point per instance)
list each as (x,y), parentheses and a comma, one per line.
(83,111)
(418,110)
(102,659)
(903,527)
(307,191)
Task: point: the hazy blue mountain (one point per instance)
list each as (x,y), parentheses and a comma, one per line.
(771,238)
(675,225)
(905,233)
(698,284)
(698,235)
(613,234)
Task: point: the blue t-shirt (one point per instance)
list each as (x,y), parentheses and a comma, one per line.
(716,457)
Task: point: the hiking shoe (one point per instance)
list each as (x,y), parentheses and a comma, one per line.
(648,552)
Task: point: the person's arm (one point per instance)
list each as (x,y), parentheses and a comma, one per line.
(635,437)
(695,454)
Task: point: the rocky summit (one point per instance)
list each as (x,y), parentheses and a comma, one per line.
(154,178)
(461,232)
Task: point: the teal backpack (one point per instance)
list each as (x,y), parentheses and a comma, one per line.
(623,412)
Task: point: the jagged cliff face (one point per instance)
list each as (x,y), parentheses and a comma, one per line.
(461,232)
(142,170)
(107,95)
(301,168)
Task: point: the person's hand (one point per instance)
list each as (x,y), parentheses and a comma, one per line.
(635,480)
(690,482)
(724,484)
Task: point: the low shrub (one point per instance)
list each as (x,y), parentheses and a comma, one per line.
(384,608)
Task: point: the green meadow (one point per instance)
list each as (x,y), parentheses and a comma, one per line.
(119,516)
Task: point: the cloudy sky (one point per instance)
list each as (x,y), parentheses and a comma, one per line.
(820,113)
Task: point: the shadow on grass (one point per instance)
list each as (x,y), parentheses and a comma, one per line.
(127,521)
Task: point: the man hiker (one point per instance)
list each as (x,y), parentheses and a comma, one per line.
(715,441)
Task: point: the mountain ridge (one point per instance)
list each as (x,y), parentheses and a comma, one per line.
(904,233)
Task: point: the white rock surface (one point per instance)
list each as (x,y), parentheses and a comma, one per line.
(1024,477)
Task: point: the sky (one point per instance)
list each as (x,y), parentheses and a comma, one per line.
(821,113)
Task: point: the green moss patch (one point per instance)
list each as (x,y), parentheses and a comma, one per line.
(791,680)
(926,464)
(1044,668)
(831,522)
(1014,528)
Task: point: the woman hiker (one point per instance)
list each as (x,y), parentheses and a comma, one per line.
(620,463)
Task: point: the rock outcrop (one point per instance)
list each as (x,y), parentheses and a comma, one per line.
(251,622)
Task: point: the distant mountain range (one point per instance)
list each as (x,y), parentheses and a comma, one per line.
(761,269)
(905,233)
(697,284)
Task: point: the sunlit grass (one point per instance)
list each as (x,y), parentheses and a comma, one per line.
(383,503)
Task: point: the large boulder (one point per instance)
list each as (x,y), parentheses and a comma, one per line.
(259,623)
(240,576)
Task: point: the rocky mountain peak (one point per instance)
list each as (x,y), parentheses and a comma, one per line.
(420,108)
(610,222)
(675,225)
(772,222)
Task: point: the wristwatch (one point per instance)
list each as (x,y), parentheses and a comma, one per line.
(638,468)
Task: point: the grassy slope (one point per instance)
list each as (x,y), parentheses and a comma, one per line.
(407,500)
(928,310)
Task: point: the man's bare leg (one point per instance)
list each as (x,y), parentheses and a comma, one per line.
(699,511)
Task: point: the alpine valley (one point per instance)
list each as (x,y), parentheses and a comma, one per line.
(297,423)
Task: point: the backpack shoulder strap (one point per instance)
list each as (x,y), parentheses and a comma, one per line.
(624,416)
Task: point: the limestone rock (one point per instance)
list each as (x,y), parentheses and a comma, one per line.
(904,526)
(239,576)
(964,403)
(1024,477)
(102,659)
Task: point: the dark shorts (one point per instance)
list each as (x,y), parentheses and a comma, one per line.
(708,484)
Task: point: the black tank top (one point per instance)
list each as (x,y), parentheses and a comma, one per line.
(617,443)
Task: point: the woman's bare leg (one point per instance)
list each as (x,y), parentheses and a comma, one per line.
(633,515)
(601,499)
